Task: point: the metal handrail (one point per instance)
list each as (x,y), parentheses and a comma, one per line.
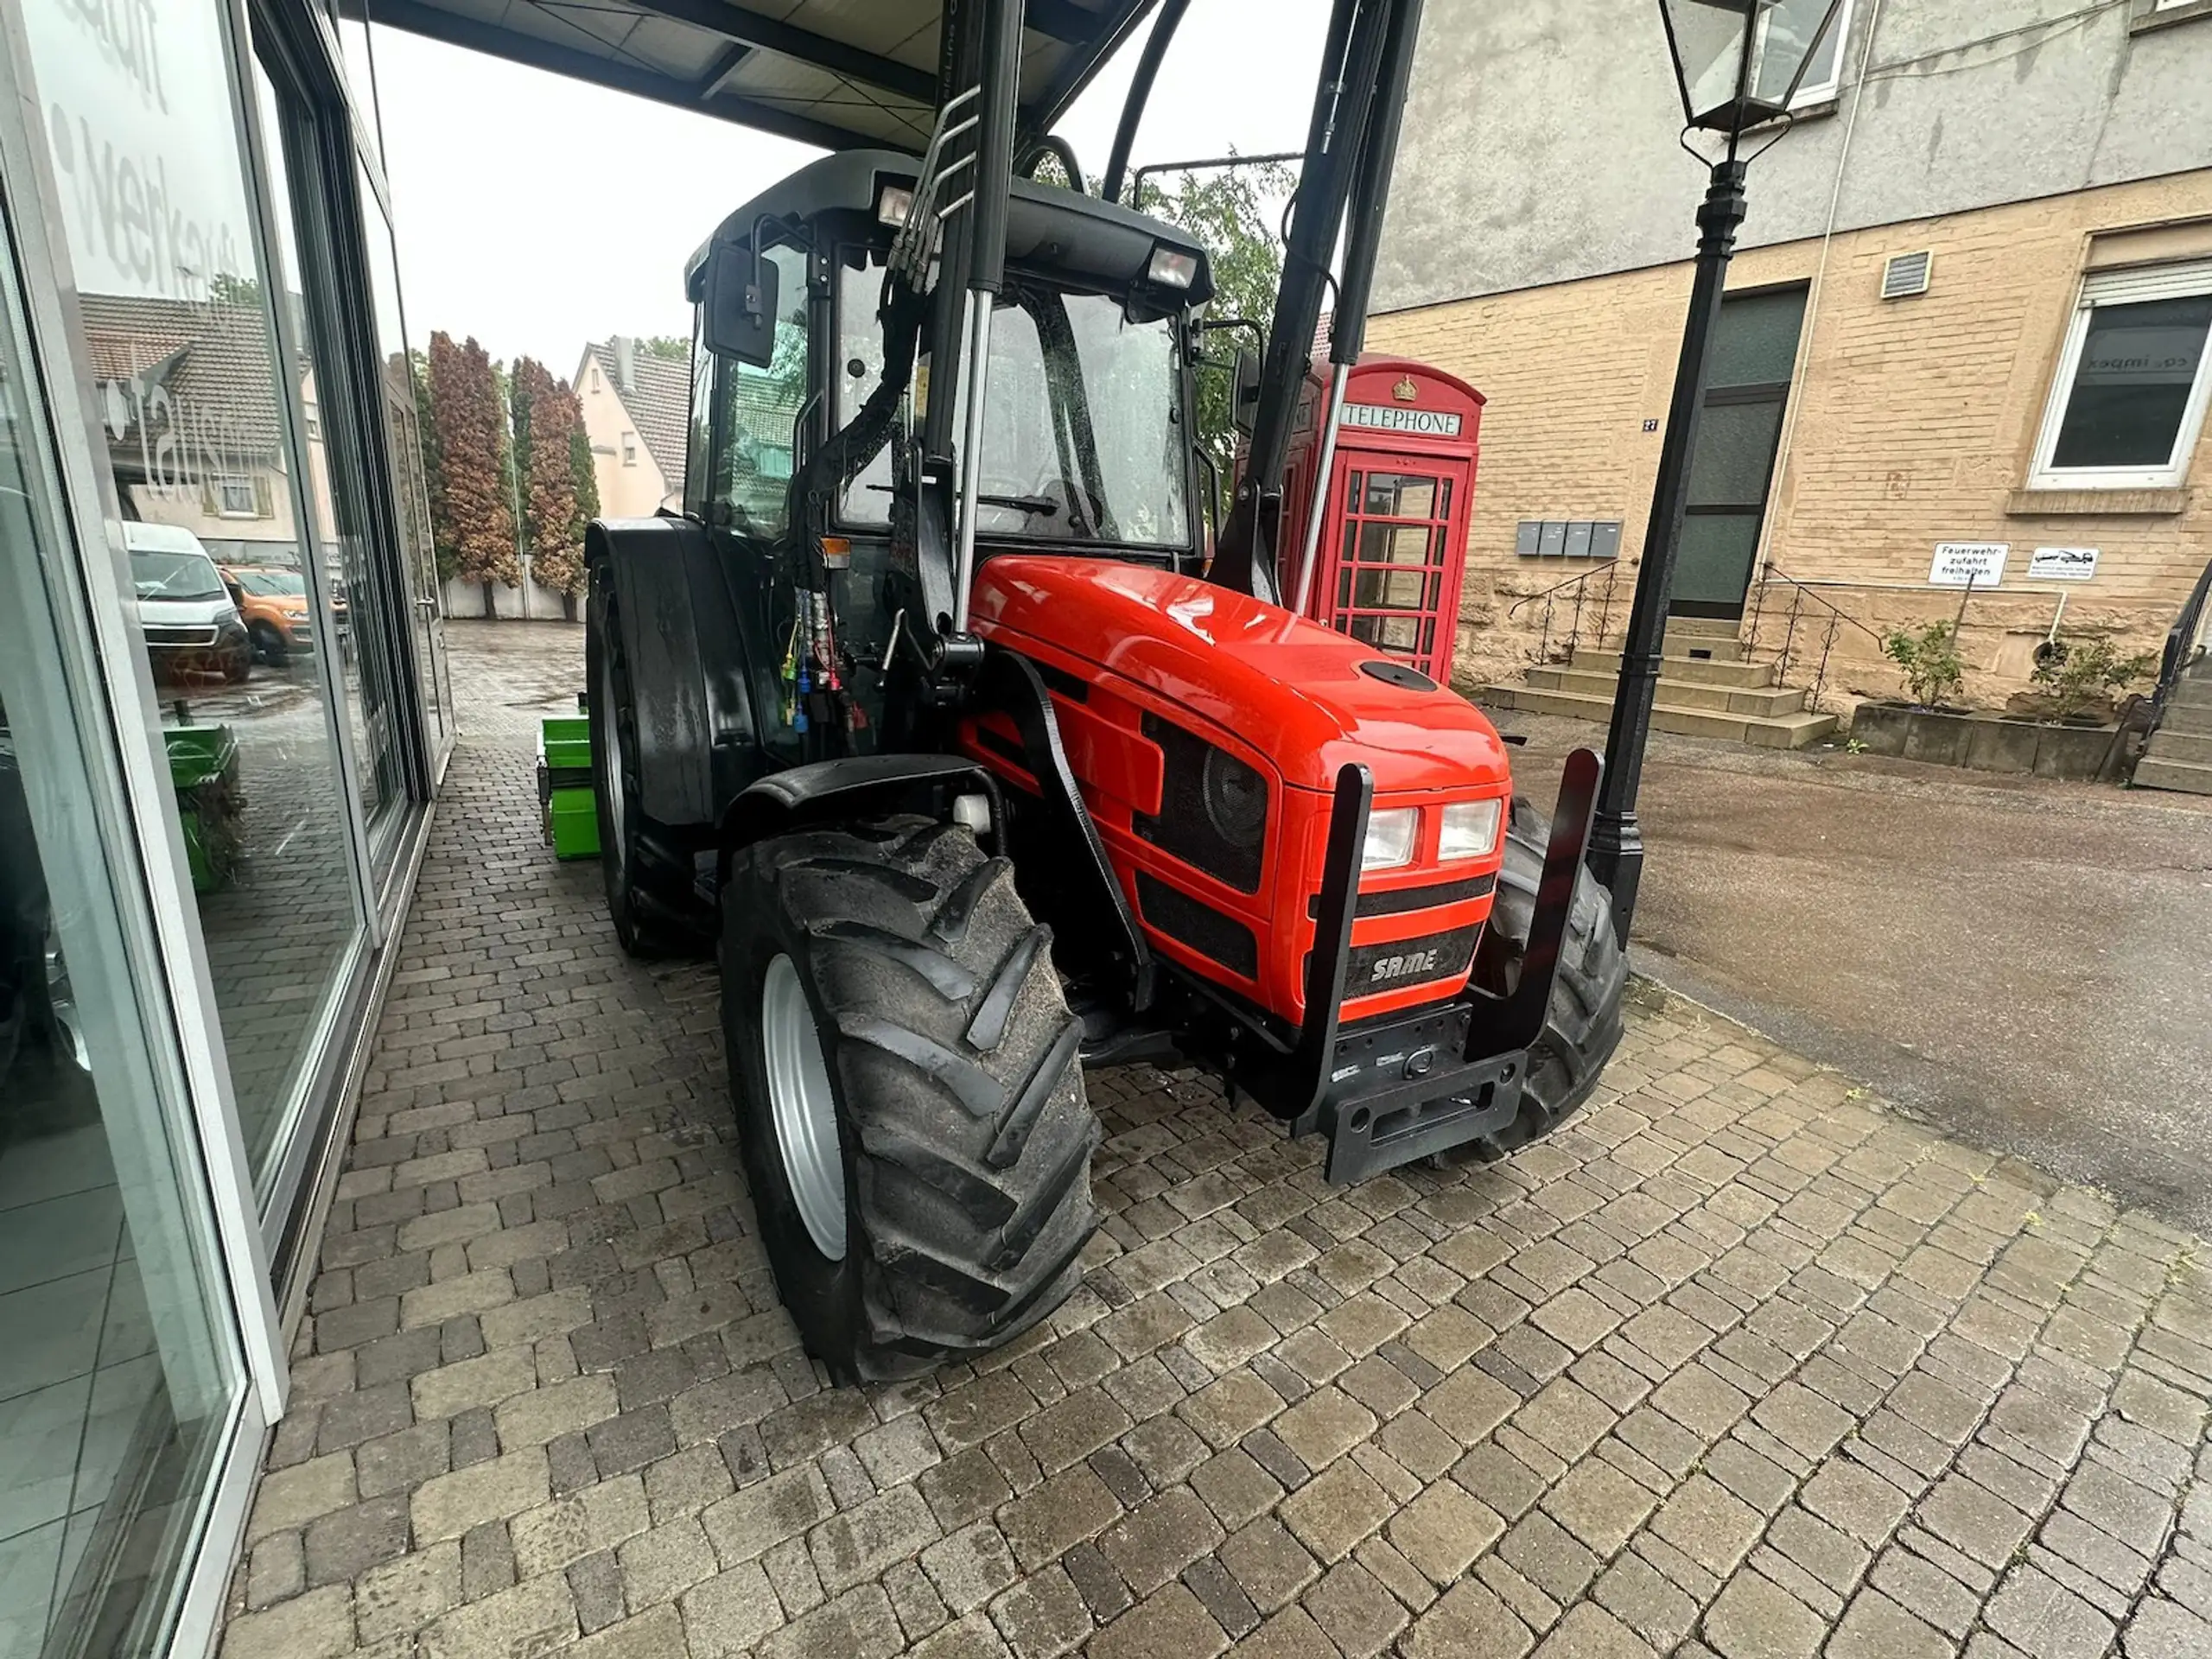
(1545,593)
(1580,581)
(2182,644)
(1798,592)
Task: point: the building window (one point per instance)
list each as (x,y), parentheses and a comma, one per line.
(1796,20)
(629,449)
(595,377)
(2128,399)
(234,497)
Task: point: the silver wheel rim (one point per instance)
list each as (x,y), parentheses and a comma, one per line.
(617,803)
(804,1109)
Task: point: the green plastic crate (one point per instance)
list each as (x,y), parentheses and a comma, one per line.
(564,744)
(204,772)
(572,823)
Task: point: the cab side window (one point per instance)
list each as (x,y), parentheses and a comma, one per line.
(760,411)
(698,471)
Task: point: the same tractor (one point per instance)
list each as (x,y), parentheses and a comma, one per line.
(939,719)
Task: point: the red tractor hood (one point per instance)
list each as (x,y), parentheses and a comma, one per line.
(1291,689)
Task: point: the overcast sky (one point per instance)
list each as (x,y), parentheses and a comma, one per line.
(536,213)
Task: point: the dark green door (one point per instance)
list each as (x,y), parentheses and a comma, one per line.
(1754,350)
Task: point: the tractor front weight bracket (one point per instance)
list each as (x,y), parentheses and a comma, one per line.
(1389,1091)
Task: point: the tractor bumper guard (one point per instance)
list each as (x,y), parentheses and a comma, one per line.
(1390,1090)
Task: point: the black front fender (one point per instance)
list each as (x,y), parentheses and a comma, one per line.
(691,673)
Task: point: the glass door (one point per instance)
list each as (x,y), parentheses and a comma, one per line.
(123,1379)
(367,603)
(242,537)
(1739,429)
(404,439)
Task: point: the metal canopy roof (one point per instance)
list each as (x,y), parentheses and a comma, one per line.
(833,72)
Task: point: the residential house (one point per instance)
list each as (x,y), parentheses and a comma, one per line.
(188,407)
(1969,312)
(635,405)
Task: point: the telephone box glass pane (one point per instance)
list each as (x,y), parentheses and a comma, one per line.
(1401,495)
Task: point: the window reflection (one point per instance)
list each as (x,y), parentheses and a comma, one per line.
(228,544)
(118,1370)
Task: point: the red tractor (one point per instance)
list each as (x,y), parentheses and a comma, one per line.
(930,717)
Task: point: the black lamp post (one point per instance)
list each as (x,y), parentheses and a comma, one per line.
(1738,63)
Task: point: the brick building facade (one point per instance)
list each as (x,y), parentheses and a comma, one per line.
(1921,419)
(1910,422)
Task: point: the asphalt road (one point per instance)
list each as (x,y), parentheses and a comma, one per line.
(2026,965)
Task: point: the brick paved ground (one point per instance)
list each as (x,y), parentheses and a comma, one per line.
(1739,1365)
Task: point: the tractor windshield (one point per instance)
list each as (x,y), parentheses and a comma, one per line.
(1084,437)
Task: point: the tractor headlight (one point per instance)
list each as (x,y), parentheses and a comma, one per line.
(1470,829)
(893,205)
(1236,798)
(1390,838)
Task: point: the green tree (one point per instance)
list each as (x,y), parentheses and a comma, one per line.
(1234,214)
(585,475)
(672,348)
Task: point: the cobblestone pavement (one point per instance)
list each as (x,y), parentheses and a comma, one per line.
(1736,1364)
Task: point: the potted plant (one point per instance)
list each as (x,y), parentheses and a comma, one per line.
(2083,679)
(1925,724)
(1934,670)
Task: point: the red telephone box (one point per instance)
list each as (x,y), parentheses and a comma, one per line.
(1394,530)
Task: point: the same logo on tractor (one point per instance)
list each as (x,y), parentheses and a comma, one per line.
(1413,961)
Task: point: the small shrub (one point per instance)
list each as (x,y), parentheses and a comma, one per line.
(1934,670)
(2087,675)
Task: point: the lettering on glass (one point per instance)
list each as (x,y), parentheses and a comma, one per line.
(137,108)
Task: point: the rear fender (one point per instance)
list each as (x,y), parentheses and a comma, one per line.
(690,674)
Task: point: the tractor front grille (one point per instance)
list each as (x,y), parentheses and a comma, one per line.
(1198,925)
(1398,900)
(1397,964)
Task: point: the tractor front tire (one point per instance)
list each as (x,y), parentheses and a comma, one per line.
(652,892)
(909,1095)
(1582,1027)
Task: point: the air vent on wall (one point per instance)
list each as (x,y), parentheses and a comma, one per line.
(1906,275)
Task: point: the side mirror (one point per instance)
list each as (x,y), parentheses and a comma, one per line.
(1244,397)
(741,313)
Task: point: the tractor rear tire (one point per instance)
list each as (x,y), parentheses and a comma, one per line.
(963,1139)
(652,892)
(1583,1025)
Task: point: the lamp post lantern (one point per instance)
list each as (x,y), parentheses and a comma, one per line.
(1737,64)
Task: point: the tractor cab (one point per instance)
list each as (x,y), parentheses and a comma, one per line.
(1087,435)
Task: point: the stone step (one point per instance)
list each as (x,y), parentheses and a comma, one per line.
(2167,744)
(1696,670)
(1677,693)
(2192,691)
(1705,647)
(1726,627)
(2183,775)
(1781,732)
(2192,718)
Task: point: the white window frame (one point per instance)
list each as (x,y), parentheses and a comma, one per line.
(629,449)
(226,482)
(1825,92)
(2123,287)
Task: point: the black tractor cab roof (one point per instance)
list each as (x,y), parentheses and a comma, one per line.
(1060,230)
